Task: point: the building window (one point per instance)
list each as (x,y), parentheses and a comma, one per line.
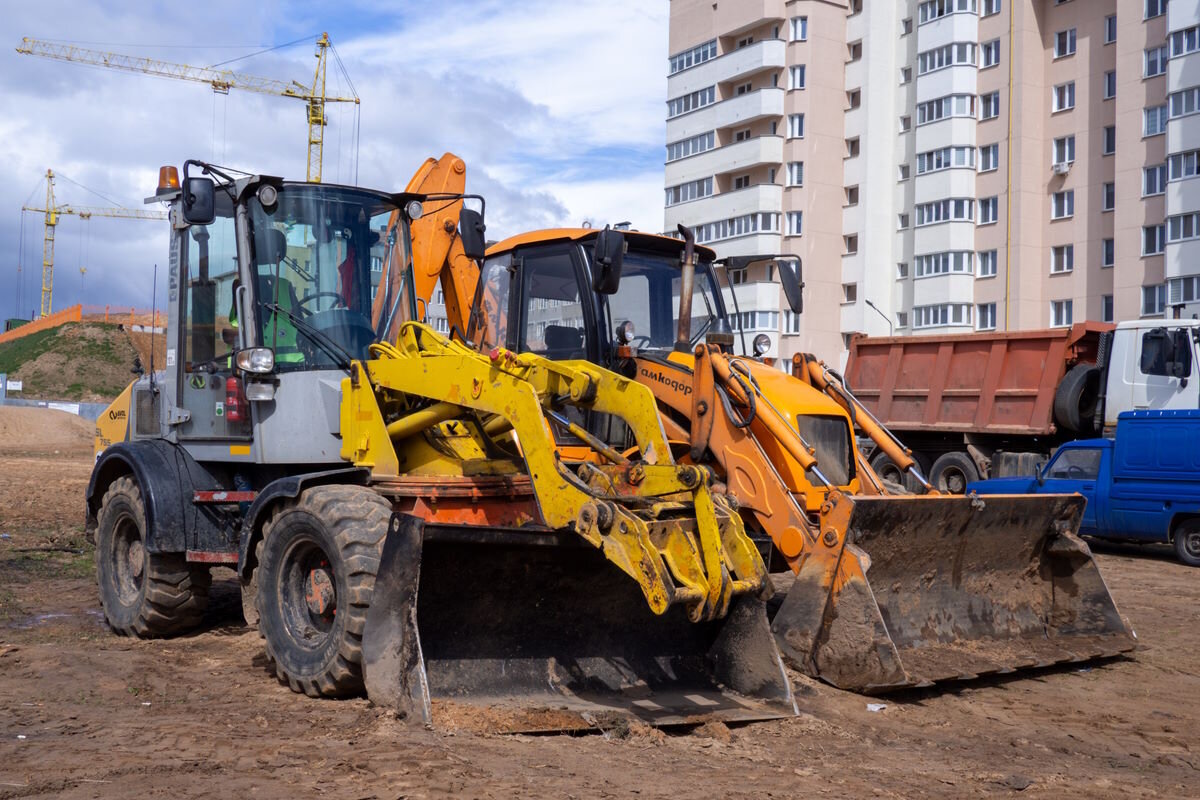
(1110,29)
(795,223)
(1110,84)
(989,157)
(741,182)
(990,54)
(795,126)
(951,210)
(697,55)
(954,105)
(1155,8)
(796,77)
(1109,145)
(1062,204)
(742,135)
(693,190)
(987,263)
(935,9)
(905,75)
(1155,121)
(1064,43)
(852,147)
(1183,290)
(901,319)
(799,29)
(1184,165)
(1064,150)
(902,171)
(901,270)
(737,277)
(1062,258)
(791,322)
(795,173)
(1154,180)
(854,98)
(692,146)
(989,7)
(1155,61)
(744,225)
(985,317)
(1064,97)
(1108,197)
(745,41)
(690,102)
(941,315)
(854,51)
(989,210)
(902,221)
(1108,252)
(1106,308)
(851,243)
(1153,239)
(1184,102)
(743,88)
(945,158)
(1061,313)
(1185,41)
(989,105)
(855,7)
(957,53)
(957,261)
(1154,300)
(905,124)
(1182,227)
(906,26)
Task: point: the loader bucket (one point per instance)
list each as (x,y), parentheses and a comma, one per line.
(538,632)
(937,588)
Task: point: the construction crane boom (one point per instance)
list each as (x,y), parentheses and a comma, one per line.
(53,210)
(221,81)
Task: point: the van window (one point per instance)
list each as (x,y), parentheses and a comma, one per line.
(1076,464)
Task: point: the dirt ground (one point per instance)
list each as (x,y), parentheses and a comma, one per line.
(84,713)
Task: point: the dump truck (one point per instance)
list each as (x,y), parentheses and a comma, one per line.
(981,405)
(394,502)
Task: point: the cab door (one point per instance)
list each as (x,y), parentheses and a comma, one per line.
(1076,470)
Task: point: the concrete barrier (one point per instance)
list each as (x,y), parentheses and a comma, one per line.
(89,411)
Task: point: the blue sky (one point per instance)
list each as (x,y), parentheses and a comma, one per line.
(557,108)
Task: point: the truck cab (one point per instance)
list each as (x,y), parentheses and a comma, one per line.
(1152,364)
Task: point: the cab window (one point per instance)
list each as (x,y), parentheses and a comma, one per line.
(553,321)
(1076,464)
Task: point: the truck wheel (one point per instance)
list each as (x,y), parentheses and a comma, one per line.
(887,469)
(316,569)
(952,472)
(143,594)
(1076,397)
(1187,542)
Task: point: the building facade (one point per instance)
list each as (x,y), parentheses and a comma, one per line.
(942,166)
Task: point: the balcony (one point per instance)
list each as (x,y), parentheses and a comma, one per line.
(764,55)
(736,110)
(737,156)
(754,199)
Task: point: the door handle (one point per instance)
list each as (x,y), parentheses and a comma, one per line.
(1089,486)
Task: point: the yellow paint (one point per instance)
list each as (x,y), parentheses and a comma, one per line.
(239,449)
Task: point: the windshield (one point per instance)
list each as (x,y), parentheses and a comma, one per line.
(648,296)
(320,257)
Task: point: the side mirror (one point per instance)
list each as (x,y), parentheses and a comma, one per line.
(472,229)
(791,275)
(199,202)
(607,258)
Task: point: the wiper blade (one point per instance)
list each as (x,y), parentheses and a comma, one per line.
(338,353)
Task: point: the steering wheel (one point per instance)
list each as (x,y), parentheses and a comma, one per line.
(1076,472)
(341,301)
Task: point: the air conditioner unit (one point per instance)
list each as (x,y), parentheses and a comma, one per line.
(1062,167)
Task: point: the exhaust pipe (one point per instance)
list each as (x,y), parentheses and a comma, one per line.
(687,280)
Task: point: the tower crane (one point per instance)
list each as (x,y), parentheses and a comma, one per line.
(53,211)
(221,81)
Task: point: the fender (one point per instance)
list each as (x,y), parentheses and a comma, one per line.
(165,480)
(285,489)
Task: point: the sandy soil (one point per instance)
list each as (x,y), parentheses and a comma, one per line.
(84,713)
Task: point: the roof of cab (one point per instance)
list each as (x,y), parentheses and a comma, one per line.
(649,241)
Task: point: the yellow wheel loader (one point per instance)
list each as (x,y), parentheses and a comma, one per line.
(890,590)
(396,503)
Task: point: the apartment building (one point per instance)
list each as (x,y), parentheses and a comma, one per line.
(965,164)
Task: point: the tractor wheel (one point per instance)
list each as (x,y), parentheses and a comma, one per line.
(1187,542)
(952,472)
(316,569)
(143,594)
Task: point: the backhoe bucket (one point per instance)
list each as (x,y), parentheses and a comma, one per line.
(537,632)
(937,588)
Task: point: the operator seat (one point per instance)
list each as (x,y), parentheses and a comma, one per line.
(563,342)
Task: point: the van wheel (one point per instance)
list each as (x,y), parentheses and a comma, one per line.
(1187,542)
(952,472)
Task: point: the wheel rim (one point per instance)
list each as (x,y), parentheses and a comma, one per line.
(953,480)
(892,473)
(128,559)
(1191,543)
(308,592)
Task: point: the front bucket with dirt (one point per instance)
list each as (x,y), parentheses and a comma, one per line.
(540,633)
(939,588)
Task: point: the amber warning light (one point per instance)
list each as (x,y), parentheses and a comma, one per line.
(168,179)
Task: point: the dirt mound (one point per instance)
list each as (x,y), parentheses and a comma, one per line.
(44,430)
(88,361)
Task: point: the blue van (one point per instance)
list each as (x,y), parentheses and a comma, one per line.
(1144,486)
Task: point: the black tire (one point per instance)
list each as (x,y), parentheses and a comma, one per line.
(316,570)
(142,593)
(898,481)
(1187,542)
(952,472)
(1076,397)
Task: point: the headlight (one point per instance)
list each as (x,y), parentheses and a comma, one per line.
(414,210)
(256,359)
(625,332)
(762,345)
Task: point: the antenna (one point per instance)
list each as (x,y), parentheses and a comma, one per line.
(153,320)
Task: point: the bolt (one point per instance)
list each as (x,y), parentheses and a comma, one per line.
(637,474)
(830,537)
(687,476)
